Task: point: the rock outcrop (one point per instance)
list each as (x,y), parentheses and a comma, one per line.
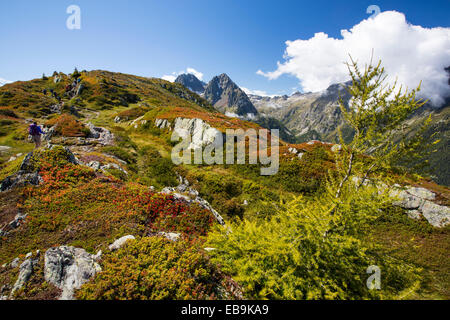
(419,203)
(14,224)
(140,121)
(68,268)
(172,236)
(163,124)
(201,133)
(20,180)
(98,166)
(102,135)
(190,195)
(119,243)
(27,174)
(25,271)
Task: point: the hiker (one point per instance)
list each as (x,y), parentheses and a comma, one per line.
(44,92)
(35,131)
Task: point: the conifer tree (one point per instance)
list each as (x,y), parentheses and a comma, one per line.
(315,248)
(377,114)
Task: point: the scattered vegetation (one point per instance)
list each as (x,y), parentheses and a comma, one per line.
(304,252)
(305,233)
(156,268)
(156,170)
(68,126)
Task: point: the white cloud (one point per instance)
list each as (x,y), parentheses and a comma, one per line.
(3,81)
(196,73)
(410,53)
(171,77)
(257,92)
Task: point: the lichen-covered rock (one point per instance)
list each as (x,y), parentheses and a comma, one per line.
(25,272)
(14,263)
(79,89)
(436,215)
(94,165)
(172,236)
(49,133)
(414,214)
(137,122)
(336,148)
(113,166)
(421,193)
(119,243)
(162,123)
(19,180)
(68,268)
(28,174)
(419,203)
(192,196)
(200,132)
(407,200)
(102,135)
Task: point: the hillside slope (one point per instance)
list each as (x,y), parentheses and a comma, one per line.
(105,173)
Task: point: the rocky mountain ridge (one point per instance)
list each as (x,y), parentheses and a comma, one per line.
(222,93)
(318,116)
(191,82)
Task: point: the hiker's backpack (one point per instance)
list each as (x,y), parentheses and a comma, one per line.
(34,130)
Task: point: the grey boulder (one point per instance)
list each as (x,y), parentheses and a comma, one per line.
(68,268)
(119,243)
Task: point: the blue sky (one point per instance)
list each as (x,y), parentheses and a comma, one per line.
(156,38)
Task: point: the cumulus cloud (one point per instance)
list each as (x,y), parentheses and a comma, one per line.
(196,73)
(408,52)
(171,77)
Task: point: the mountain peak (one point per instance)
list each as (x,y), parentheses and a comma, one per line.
(226,96)
(191,82)
(224,76)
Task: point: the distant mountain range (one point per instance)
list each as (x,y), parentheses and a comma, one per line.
(307,115)
(302,117)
